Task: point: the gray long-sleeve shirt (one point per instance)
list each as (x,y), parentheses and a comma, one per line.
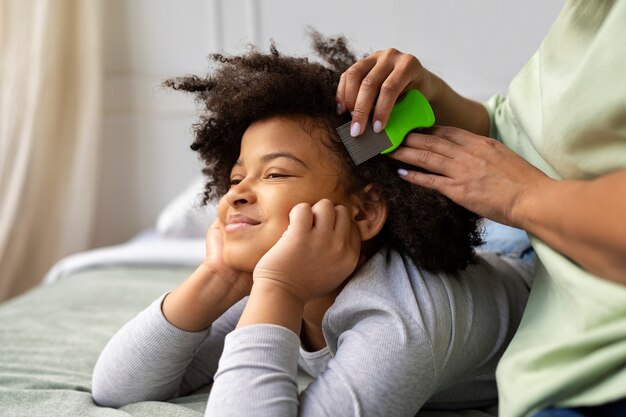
(398,339)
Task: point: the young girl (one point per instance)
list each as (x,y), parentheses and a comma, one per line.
(366,283)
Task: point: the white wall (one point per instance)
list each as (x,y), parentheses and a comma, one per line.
(477,46)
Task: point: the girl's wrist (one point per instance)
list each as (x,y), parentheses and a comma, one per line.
(200,300)
(273,303)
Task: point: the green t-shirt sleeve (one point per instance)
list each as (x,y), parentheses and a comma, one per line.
(493,105)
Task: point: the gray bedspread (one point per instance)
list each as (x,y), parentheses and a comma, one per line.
(50,339)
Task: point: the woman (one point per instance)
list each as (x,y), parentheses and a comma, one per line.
(565,116)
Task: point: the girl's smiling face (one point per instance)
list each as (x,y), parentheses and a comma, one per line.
(280,165)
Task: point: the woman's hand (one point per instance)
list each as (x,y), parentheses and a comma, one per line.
(476,172)
(583,220)
(381,77)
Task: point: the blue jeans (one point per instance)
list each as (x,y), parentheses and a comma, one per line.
(507,241)
(612,409)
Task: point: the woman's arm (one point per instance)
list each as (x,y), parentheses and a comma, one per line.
(584,220)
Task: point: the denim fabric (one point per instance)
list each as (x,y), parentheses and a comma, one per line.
(612,409)
(507,241)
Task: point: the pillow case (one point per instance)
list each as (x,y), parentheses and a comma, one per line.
(185,217)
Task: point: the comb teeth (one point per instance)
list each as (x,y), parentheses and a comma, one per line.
(363,147)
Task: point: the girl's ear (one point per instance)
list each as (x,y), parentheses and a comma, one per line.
(369,212)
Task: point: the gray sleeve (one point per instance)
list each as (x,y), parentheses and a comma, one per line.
(150,359)
(257,373)
(381,368)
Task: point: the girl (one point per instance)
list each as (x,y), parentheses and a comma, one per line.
(368,284)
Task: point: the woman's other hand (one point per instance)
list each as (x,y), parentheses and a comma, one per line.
(583,219)
(476,172)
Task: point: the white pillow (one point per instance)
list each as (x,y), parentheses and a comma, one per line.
(185,217)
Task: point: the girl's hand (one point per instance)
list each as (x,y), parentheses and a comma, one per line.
(381,77)
(239,281)
(209,291)
(476,172)
(316,254)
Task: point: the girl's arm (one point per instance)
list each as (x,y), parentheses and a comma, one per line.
(393,345)
(153,356)
(377,371)
(151,359)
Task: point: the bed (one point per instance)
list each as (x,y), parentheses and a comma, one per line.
(50,337)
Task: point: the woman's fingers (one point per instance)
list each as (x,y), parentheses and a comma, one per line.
(405,74)
(379,78)
(350,81)
(476,172)
(432,181)
(429,152)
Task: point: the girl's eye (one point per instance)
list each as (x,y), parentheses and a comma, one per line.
(276,175)
(235,181)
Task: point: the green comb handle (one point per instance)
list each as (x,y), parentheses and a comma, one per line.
(412,112)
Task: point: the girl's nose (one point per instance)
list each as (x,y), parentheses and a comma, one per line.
(240,194)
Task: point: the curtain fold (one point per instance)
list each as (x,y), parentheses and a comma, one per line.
(51,77)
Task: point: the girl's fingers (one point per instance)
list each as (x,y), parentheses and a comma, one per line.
(301,218)
(342,221)
(324,215)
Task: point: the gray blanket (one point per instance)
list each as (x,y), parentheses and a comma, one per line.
(51,337)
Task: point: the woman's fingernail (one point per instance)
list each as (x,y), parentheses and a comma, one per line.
(340,108)
(355,130)
(403,172)
(378,126)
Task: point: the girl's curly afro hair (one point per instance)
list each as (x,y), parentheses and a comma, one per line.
(436,233)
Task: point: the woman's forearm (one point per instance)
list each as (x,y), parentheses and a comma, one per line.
(452,109)
(584,220)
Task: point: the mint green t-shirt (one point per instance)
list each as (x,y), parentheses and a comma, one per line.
(565,112)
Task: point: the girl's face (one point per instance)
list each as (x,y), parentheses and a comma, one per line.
(280,165)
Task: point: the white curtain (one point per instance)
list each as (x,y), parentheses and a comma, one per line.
(50,129)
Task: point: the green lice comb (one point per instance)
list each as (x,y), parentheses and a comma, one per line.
(412,112)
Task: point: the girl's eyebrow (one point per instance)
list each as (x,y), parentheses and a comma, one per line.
(270,156)
(274,155)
